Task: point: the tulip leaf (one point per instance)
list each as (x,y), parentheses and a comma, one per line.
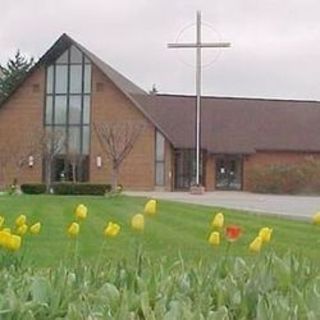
(40,288)
(220,314)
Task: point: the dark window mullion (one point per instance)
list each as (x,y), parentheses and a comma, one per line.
(68,103)
(44,120)
(82,104)
(53,95)
(80,171)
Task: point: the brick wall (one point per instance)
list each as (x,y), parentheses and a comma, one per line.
(109,103)
(20,117)
(23,114)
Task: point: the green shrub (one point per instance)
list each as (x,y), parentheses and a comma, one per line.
(303,177)
(33,188)
(81,189)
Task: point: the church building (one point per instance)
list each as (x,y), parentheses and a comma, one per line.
(70,89)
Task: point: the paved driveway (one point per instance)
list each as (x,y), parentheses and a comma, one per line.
(297,207)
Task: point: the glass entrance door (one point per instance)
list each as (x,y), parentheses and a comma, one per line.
(229,173)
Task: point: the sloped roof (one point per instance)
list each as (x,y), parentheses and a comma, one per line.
(238,125)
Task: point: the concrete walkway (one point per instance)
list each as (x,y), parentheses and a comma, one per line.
(295,207)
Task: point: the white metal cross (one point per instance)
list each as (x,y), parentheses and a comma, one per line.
(198,45)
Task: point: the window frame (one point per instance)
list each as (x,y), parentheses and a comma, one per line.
(160,161)
(50,92)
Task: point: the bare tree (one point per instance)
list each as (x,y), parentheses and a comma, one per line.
(51,143)
(117,139)
(40,144)
(4,160)
(15,154)
(74,159)
(19,153)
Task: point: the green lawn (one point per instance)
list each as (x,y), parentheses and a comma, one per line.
(178,229)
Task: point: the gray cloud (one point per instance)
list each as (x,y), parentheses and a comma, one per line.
(275,45)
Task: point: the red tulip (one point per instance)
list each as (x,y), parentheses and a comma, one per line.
(233,233)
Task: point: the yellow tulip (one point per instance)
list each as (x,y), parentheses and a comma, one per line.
(74,229)
(214,238)
(21,220)
(7,230)
(265,234)
(218,220)
(137,222)
(1,221)
(14,242)
(256,244)
(150,207)
(35,228)
(4,238)
(81,212)
(316,218)
(21,230)
(112,230)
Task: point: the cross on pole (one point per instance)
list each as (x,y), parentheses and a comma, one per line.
(198,45)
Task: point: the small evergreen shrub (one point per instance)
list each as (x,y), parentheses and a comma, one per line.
(33,188)
(81,189)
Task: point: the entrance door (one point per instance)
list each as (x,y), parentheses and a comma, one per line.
(229,173)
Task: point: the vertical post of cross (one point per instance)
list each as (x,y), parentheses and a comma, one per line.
(198,94)
(198,45)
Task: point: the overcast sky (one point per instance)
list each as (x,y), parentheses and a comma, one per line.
(275,44)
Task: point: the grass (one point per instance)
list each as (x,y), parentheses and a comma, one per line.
(167,281)
(177,230)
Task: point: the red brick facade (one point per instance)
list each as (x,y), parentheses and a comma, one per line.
(256,160)
(20,117)
(23,113)
(290,124)
(108,102)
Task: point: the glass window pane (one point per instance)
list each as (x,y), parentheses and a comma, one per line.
(49,79)
(47,139)
(159,146)
(76,55)
(85,140)
(86,109)
(59,140)
(75,110)
(63,58)
(86,60)
(60,115)
(61,79)
(74,139)
(160,173)
(87,78)
(49,110)
(75,79)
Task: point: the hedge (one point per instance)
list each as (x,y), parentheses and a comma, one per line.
(81,189)
(33,188)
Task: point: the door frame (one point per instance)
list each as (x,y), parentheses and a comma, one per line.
(229,158)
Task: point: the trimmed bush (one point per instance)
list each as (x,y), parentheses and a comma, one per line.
(33,188)
(81,189)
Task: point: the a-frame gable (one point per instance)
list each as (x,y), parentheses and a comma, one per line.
(127,87)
